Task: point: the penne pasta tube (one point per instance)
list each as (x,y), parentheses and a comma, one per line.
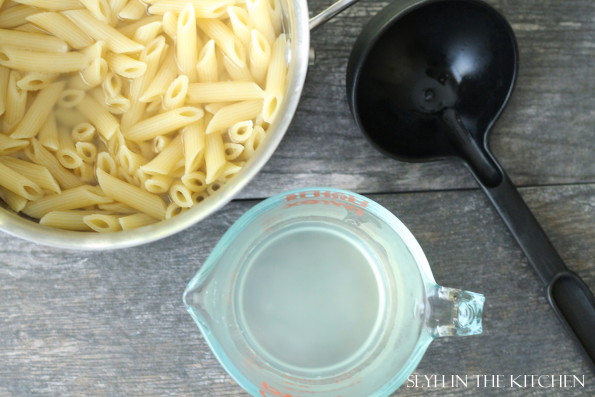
(70,199)
(165,162)
(195,181)
(187,42)
(87,151)
(202,8)
(16,16)
(40,155)
(38,112)
(102,223)
(232,150)
(37,61)
(35,81)
(158,183)
(13,200)
(163,123)
(259,13)
(103,120)
(259,56)
(66,154)
(106,163)
(175,95)
(55,5)
(206,67)
(67,220)
(214,157)
(170,24)
(9,145)
(16,102)
(225,39)
(173,210)
(131,195)
(180,195)
(234,113)
(99,30)
(34,172)
(19,184)
(165,75)
(32,41)
(240,132)
(129,29)
(135,221)
(61,27)
(193,137)
(100,9)
(112,85)
(146,33)
(4,75)
(126,66)
(224,91)
(83,132)
(133,10)
(237,73)
(48,134)
(240,23)
(70,98)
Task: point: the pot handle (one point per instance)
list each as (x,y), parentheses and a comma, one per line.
(330,12)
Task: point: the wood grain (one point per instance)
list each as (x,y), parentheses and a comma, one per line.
(112,323)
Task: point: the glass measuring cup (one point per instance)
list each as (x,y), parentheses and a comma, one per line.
(323,291)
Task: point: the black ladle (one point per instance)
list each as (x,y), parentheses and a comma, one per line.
(427,80)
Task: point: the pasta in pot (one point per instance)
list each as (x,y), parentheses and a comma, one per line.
(118,114)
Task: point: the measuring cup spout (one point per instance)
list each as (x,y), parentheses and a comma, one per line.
(196,300)
(454,312)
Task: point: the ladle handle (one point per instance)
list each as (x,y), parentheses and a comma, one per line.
(570,297)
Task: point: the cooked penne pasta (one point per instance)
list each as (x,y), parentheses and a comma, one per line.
(259,56)
(180,195)
(37,61)
(35,81)
(223,91)
(202,8)
(102,104)
(133,10)
(18,183)
(55,5)
(34,172)
(214,157)
(165,162)
(75,198)
(99,30)
(126,66)
(193,137)
(135,221)
(16,102)
(206,67)
(67,220)
(163,123)
(38,112)
(258,10)
(225,39)
(103,120)
(13,200)
(32,41)
(187,42)
(15,16)
(234,113)
(48,134)
(4,74)
(61,27)
(9,145)
(40,155)
(131,195)
(102,223)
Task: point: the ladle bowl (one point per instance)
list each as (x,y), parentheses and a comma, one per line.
(426,80)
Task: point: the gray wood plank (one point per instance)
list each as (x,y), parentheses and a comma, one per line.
(112,323)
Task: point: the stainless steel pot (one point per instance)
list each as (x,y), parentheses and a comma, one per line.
(297,26)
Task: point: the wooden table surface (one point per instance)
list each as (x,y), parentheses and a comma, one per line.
(112,323)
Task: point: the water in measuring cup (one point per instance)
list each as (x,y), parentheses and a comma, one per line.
(310,297)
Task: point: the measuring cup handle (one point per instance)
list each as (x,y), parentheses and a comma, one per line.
(453,312)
